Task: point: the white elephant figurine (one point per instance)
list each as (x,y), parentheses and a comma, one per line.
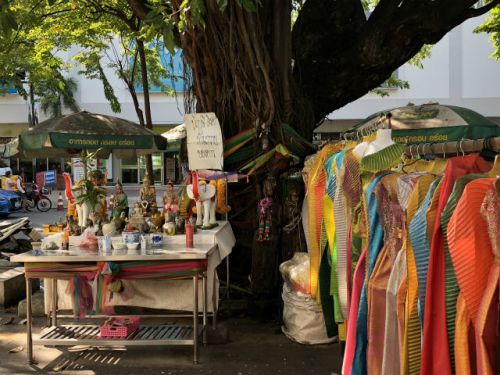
(84,209)
(206,204)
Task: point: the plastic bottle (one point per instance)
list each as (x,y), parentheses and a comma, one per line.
(65,239)
(189,235)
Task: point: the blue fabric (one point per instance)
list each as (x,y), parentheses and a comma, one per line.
(375,242)
(421,246)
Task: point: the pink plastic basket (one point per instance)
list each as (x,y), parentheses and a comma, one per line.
(110,330)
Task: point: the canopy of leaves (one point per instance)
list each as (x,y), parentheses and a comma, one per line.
(39,34)
(492,27)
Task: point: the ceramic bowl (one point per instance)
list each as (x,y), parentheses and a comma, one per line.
(132,245)
(119,244)
(131,237)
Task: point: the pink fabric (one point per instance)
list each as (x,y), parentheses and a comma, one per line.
(359,278)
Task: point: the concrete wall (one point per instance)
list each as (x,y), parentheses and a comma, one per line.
(459,72)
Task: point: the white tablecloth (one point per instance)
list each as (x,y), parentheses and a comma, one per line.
(165,294)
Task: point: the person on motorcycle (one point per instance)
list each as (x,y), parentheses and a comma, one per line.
(17,183)
(8,182)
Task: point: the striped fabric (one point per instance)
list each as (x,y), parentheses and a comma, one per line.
(316,184)
(392,220)
(421,243)
(412,340)
(350,346)
(451,285)
(391,361)
(375,245)
(488,319)
(341,241)
(435,351)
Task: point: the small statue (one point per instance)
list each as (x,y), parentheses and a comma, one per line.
(265,210)
(157,218)
(147,195)
(74,228)
(119,202)
(120,222)
(109,228)
(137,218)
(179,225)
(170,199)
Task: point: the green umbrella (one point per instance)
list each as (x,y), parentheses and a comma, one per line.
(434,123)
(68,135)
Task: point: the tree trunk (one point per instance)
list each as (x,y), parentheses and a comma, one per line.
(147,105)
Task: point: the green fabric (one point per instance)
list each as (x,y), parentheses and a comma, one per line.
(383,159)
(451,285)
(326,299)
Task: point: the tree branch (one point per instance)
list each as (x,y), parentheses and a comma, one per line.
(332,75)
(140,8)
(474,12)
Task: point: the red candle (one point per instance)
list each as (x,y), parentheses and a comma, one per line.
(189,235)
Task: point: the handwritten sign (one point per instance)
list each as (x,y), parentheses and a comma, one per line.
(204,141)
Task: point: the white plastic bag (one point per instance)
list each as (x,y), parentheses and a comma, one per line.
(303,319)
(296,273)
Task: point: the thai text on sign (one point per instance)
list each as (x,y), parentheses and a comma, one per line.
(204,141)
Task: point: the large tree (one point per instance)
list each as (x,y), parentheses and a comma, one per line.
(250,66)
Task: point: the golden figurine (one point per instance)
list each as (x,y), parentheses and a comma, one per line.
(147,195)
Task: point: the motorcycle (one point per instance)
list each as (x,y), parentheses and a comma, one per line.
(38,198)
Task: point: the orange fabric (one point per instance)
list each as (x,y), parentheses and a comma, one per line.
(432,211)
(316,184)
(488,317)
(462,326)
(377,286)
(402,314)
(411,348)
(435,351)
(469,244)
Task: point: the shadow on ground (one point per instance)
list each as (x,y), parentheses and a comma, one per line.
(253,347)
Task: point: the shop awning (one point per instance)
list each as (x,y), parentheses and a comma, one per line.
(67,135)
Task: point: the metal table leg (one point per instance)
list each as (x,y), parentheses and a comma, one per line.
(29,322)
(214,302)
(227,277)
(204,299)
(195,318)
(54,302)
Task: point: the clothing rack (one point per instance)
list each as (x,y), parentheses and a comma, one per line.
(463,146)
(384,118)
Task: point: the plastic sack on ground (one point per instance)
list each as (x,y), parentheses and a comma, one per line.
(303,320)
(296,274)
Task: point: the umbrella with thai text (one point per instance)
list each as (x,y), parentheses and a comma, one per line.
(433,122)
(68,135)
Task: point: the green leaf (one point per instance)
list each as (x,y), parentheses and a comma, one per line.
(168,39)
(249,5)
(222,4)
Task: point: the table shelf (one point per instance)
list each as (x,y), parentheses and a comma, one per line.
(79,334)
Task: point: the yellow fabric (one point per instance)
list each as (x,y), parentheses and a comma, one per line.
(316,183)
(461,349)
(411,348)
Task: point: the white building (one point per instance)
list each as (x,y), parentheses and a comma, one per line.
(167,111)
(459,72)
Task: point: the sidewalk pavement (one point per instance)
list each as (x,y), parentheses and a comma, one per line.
(253,348)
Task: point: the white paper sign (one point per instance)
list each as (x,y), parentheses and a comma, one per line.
(204,141)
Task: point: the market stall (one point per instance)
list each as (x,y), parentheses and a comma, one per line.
(115,255)
(403,245)
(82,266)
